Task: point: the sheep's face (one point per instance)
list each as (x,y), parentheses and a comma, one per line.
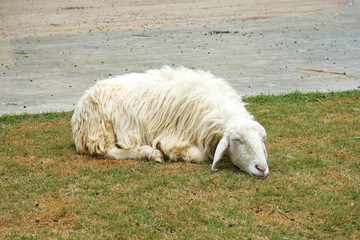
(247,149)
(244,142)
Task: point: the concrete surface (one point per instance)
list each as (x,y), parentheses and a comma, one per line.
(20,18)
(255,56)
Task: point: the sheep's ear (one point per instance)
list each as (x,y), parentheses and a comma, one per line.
(219,152)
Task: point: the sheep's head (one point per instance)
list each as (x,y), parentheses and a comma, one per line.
(244,143)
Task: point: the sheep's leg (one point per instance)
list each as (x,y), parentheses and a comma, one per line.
(193,154)
(141,152)
(187,153)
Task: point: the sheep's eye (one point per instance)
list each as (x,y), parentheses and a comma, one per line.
(237,140)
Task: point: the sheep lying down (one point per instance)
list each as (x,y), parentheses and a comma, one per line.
(177,114)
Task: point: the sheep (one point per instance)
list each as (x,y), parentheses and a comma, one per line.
(178,114)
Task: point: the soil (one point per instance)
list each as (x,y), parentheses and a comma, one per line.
(21,18)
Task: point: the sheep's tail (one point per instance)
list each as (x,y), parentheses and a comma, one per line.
(91,132)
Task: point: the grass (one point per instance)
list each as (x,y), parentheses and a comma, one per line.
(140,35)
(312,192)
(24,52)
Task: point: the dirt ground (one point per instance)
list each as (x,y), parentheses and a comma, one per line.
(20,18)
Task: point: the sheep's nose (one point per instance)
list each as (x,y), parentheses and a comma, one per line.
(261,168)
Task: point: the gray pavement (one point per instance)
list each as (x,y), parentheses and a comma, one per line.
(255,56)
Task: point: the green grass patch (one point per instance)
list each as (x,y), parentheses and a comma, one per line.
(24,52)
(297,96)
(49,116)
(48,191)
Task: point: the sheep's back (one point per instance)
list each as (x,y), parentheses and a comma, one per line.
(179,103)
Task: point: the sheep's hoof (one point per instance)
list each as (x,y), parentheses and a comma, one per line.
(158,160)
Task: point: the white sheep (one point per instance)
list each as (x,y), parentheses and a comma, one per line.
(179,114)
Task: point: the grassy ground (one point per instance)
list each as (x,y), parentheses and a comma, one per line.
(312,192)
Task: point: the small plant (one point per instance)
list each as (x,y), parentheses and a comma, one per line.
(24,52)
